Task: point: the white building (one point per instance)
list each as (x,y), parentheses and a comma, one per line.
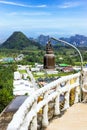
(17,75)
(35,69)
(21,87)
(19,57)
(22,67)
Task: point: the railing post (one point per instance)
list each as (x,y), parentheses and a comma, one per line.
(57,103)
(77,91)
(76,95)
(45,113)
(33,125)
(84,87)
(66,105)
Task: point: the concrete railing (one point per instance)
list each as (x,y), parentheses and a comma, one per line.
(84,85)
(26,117)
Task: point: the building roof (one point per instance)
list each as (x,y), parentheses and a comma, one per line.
(16,103)
(63,65)
(8,59)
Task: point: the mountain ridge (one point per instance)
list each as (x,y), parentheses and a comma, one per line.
(19,40)
(77,40)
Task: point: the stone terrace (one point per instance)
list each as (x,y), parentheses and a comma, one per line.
(75,118)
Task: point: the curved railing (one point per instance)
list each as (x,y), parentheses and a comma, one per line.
(84,85)
(26,117)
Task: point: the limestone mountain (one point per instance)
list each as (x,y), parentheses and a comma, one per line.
(77,40)
(42,39)
(20,41)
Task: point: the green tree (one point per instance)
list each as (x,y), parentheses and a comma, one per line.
(5,98)
(6,85)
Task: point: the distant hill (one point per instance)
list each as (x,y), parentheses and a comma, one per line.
(19,41)
(77,40)
(42,39)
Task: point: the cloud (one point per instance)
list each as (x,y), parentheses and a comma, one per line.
(36,13)
(29,14)
(21,5)
(69,5)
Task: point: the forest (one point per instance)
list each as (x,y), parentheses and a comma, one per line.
(66,55)
(6,84)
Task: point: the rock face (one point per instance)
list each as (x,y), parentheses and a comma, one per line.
(77,40)
(5,119)
(49,58)
(43,39)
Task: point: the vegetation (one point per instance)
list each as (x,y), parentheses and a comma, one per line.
(22,71)
(63,55)
(6,84)
(19,41)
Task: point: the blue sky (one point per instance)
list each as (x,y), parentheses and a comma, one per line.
(49,17)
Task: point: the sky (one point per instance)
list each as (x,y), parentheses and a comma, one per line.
(48,17)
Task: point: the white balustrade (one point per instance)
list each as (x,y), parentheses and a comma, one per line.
(84,86)
(57,104)
(76,95)
(26,116)
(33,125)
(45,112)
(66,105)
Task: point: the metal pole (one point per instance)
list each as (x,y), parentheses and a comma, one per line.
(80,59)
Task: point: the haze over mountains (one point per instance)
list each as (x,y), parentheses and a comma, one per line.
(18,40)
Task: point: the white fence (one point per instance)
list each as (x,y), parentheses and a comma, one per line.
(26,117)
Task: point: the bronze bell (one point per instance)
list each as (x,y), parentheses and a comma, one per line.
(49,57)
